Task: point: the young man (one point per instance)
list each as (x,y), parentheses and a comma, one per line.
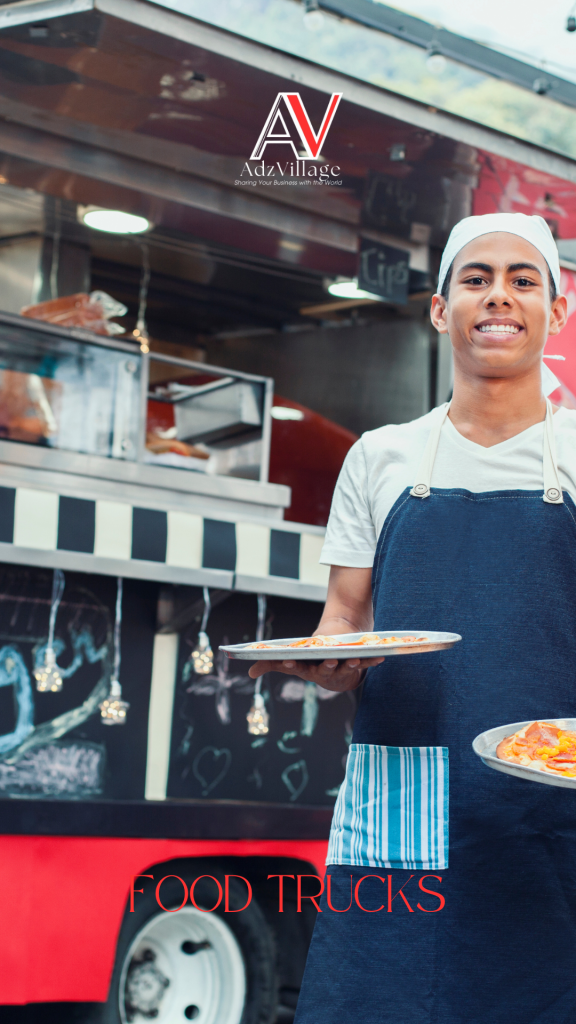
(463,520)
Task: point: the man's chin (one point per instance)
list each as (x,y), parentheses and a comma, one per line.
(501,364)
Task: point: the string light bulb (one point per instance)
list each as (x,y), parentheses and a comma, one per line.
(113,709)
(202,656)
(46,673)
(258,718)
(140,331)
(47,676)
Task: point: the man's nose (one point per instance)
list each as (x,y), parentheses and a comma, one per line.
(498,294)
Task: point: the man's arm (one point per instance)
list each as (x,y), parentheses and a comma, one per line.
(348,609)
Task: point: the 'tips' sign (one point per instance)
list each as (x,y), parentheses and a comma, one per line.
(383,270)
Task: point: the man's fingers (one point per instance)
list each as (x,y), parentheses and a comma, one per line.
(259,668)
(313,670)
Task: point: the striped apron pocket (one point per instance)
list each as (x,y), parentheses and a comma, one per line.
(392,809)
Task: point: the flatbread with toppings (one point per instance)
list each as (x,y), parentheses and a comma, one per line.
(368,640)
(541,745)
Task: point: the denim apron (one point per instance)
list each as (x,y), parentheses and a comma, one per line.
(462,911)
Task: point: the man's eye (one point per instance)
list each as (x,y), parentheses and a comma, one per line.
(524,281)
(474,280)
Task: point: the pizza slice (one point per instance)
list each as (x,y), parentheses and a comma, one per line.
(541,745)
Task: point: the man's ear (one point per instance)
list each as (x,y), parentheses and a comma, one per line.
(558,314)
(438,314)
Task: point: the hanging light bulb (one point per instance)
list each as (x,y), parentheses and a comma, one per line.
(46,673)
(258,718)
(113,709)
(47,676)
(202,656)
(140,332)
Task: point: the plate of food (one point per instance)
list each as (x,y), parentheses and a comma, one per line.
(344,645)
(540,751)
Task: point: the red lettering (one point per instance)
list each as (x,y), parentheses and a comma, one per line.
(329,896)
(158,900)
(399,893)
(280,890)
(227,894)
(432,893)
(133,890)
(219,900)
(358,884)
(300,897)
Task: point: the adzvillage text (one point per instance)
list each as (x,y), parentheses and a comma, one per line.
(406,896)
(294,173)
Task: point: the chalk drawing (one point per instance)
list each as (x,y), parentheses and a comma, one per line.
(219,685)
(293,769)
(13,672)
(55,770)
(210,766)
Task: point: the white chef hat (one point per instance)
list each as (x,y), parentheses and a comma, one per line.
(534,229)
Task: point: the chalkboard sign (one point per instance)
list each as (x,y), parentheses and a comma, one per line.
(53,745)
(383,270)
(213,756)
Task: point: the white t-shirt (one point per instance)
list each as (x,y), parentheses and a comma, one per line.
(380,466)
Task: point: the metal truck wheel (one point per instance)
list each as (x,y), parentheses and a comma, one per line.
(183,966)
(213,968)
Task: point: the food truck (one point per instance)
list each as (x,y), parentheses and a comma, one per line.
(176,399)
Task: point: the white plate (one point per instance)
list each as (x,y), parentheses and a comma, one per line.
(485,746)
(279,651)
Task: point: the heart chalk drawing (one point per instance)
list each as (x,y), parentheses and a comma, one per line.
(296,787)
(215,764)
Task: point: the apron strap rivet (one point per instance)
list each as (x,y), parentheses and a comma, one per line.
(553,494)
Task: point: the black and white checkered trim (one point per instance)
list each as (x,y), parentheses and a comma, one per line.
(45,528)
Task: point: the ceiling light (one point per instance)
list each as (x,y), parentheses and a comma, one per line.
(313,17)
(398,152)
(116,222)
(541,86)
(436,62)
(284,412)
(346,288)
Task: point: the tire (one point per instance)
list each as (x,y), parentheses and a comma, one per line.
(214,968)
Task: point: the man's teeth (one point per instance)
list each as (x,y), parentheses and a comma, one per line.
(498,329)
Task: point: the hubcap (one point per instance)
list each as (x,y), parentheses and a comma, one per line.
(183,966)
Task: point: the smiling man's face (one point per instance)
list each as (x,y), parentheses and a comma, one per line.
(499,312)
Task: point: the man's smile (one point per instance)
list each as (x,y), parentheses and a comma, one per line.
(499,328)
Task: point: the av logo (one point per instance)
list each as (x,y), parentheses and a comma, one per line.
(276,131)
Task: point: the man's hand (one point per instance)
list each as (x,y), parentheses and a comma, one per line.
(348,610)
(331,674)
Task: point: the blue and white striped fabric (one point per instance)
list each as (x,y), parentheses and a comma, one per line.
(392,808)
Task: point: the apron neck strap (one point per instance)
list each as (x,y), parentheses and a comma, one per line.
(421,488)
(552,486)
